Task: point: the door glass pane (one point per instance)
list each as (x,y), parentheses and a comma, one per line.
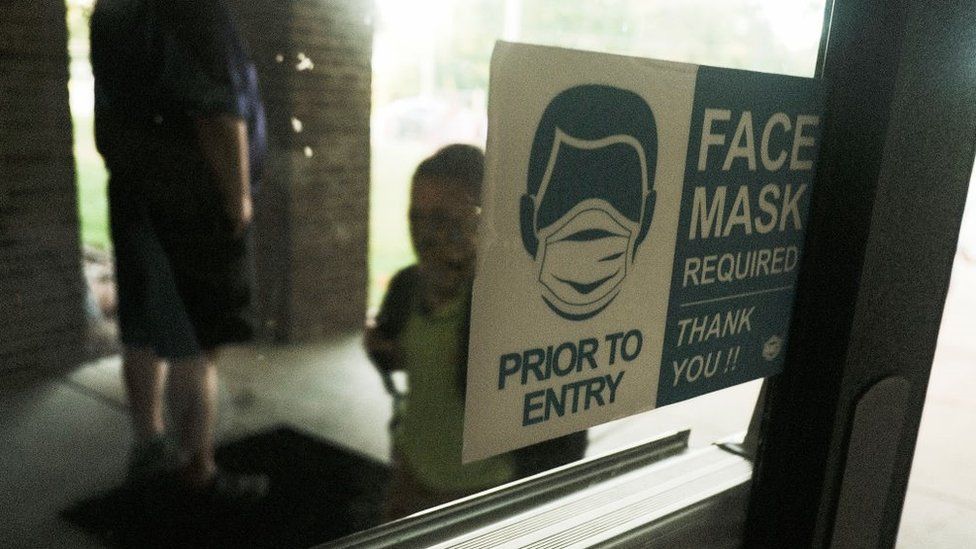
(430,63)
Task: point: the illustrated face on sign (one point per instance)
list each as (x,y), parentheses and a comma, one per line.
(590,197)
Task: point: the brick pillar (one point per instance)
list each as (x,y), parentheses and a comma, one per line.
(314,61)
(42,322)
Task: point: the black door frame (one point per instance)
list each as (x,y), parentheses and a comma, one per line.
(898,148)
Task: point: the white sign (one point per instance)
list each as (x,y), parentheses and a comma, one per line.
(641,227)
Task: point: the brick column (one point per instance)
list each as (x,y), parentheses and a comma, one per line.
(314,61)
(42,321)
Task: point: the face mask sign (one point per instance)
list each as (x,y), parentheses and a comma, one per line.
(587,252)
(613,219)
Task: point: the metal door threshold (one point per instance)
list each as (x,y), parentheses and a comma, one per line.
(655,493)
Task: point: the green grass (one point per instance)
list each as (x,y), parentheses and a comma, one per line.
(389,238)
(92,184)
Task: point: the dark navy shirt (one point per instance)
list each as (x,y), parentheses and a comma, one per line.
(159,64)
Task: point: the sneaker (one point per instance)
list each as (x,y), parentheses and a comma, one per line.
(152,459)
(235,488)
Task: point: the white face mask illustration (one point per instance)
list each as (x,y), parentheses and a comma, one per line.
(586,254)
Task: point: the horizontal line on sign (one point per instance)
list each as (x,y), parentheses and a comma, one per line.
(737,296)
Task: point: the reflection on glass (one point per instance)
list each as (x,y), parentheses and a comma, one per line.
(304,63)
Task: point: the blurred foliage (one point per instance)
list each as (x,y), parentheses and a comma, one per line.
(90,170)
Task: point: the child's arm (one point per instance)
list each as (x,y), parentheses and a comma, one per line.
(385,355)
(382,334)
(382,349)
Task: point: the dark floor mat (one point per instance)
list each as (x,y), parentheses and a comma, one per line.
(318,492)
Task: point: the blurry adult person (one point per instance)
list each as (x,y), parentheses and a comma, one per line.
(180,124)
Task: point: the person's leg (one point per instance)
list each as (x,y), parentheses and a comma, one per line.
(193,395)
(144,376)
(153,454)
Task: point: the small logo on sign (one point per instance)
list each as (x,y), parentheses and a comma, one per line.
(772,348)
(589,196)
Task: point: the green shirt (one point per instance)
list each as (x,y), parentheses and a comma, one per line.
(428,437)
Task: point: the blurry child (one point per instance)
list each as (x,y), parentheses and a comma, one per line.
(422,329)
